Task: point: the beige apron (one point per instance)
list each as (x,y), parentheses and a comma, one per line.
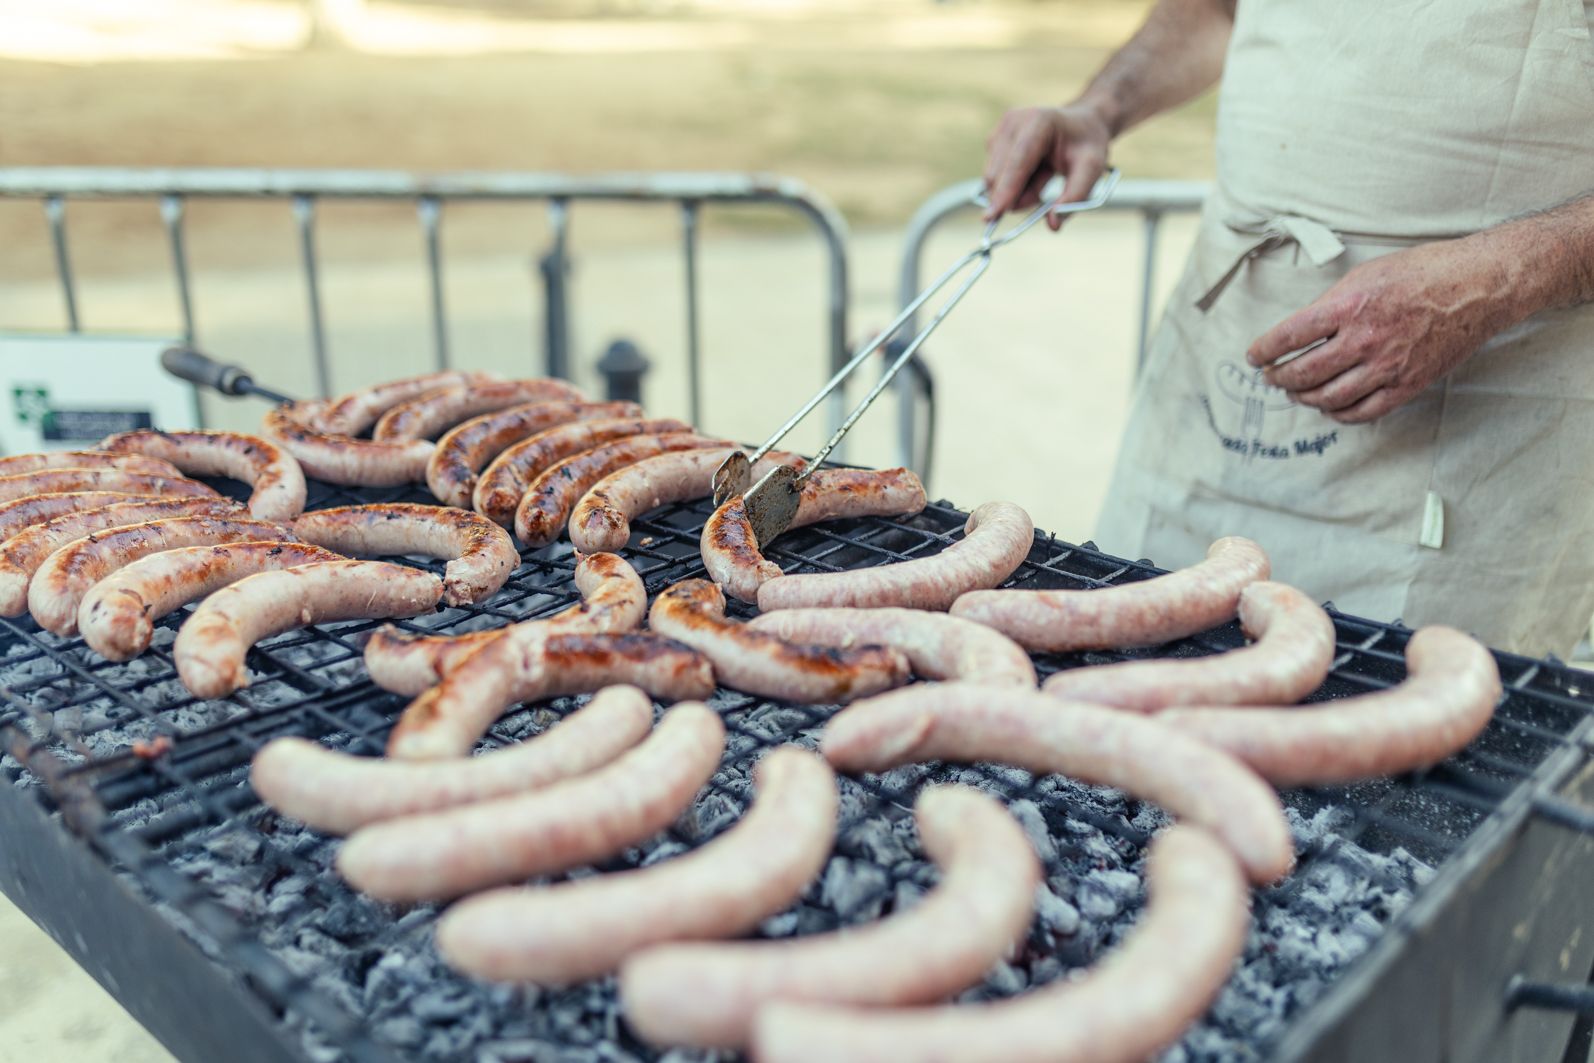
(1346,131)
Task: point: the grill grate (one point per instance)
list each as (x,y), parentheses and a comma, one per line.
(360,979)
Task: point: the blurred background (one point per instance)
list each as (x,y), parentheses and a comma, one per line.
(874,107)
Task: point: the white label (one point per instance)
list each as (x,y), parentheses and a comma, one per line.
(1433,522)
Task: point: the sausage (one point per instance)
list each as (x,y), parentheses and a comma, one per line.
(275,476)
(498,491)
(555,935)
(353,413)
(463,450)
(428,414)
(693,612)
(341,459)
(614,600)
(997,539)
(23,553)
(970,722)
(117,616)
(1147,613)
(707,995)
(58,587)
(22,513)
(937,646)
(578,821)
(481,554)
(733,556)
(1135,1002)
(57,481)
(339,793)
(17,464)
(1448,698)
(546,505)
(1290,658)
(602,519)
(530,663)
(211,645)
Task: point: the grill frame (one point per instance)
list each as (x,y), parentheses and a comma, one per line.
(64,878)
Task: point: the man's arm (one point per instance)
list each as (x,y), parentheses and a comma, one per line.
(1176,55)
(1394,325)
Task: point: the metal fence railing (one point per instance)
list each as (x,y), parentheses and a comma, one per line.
(170,190)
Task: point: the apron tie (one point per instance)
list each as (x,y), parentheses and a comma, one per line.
(1319,242)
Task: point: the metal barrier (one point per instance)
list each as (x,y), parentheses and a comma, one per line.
(1152,200)
(303,189)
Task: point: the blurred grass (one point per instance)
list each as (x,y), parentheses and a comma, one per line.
(876,106)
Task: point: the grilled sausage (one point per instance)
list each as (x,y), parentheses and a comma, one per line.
(273,473)
(546,505)
(17,464)
(339,793)
(480,554)
(997,539)
(708,995)
(937,646)
(118,614)
(23,553)
(20,514)
(57,588)
(1148,613)
(602,519)
(57,481)
(1291,656)
(211,645)
(731,551)
(341,459)
(463,450)
(614,600)
(580,820)
(498,491)
(693,612)
(1448,698)
(969,722)
(530,663)
(1134,1003)
(426,415)
(353,413)
(570,932)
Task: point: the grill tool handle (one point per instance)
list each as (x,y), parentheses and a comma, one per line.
(185,363)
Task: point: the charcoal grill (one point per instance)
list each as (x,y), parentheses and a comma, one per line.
(1437,916)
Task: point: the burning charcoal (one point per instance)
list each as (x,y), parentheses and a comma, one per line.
(665,850)
(1054,913)
(709,816)
(1005,980)
(444,1005)
(400,1030)
(779,926)
(854,889)
(812,920)
(878,842)
(1029,817)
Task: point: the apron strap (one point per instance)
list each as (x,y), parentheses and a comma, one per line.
(1320,243)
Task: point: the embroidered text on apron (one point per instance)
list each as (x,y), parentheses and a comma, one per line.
(1347,131)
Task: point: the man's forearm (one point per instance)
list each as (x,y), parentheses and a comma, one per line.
(1546,260)
(1176,55)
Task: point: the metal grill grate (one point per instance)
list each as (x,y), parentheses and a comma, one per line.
(360,978)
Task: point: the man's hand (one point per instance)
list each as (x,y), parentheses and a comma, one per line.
(1032,144)
(1389,328)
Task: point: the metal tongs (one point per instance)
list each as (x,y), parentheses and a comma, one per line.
(772,502)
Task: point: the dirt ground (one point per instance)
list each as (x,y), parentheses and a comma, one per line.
(874,105)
